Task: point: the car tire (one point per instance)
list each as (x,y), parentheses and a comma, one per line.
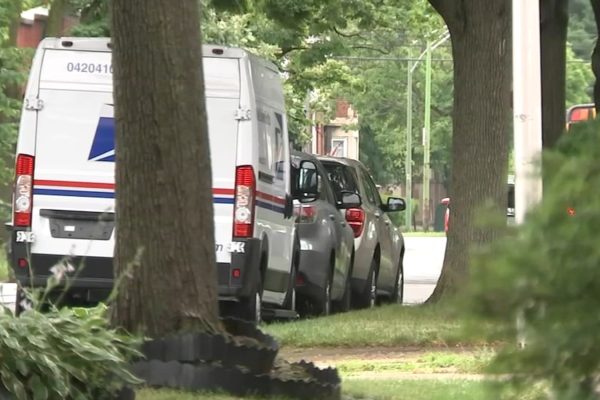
(291,298)
(345,303)
(323,304)
(368,297)
(398,294)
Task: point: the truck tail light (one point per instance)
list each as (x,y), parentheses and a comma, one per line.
(245,196)
(356,220)
(23,191)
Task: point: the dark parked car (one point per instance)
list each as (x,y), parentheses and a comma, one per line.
(379,245)
(326,239)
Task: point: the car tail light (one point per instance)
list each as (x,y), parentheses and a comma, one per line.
(305,213)
(356,220)
(23,190)
(245,195)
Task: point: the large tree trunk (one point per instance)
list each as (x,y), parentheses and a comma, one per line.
(596,55)
(13,30)
(554,15)
(56,17)
(481,37)
(163,170)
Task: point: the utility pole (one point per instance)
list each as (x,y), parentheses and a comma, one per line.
(527,105)
(427,139)
(408,166)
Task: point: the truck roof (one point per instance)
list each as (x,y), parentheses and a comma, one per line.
(104,44)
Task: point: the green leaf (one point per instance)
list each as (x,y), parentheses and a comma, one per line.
(37,387)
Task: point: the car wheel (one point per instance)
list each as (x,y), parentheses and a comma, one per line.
(291,296)
(368,297)
(398,295)
(322,306)
(344,304)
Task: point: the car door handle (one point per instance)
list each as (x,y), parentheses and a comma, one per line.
(332,217)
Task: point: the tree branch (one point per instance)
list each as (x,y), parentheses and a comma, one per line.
(370,48)
(286,50)
(346,35)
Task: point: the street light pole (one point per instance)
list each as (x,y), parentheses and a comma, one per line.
(527,104)
(427,139)
(408,166)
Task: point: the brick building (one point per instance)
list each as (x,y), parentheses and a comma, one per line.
(32,28)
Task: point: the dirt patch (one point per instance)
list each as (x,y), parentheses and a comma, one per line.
(415,368)
(331,355)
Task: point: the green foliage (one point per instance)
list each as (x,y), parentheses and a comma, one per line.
(64,354)
(582,28)
(580,80)
(540,282)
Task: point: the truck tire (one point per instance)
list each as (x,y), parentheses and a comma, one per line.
(249,308)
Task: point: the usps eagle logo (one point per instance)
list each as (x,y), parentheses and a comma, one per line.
(103,146)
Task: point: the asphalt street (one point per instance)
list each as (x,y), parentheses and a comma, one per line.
(422,266)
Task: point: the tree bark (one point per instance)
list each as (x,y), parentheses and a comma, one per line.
(554,16)
(163,171)
(13,30)
(481,37)
(596,55)
(56,15)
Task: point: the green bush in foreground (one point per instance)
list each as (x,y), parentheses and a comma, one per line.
(63,354)
(542,281)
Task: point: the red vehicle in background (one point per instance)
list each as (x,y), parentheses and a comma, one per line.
(580,113)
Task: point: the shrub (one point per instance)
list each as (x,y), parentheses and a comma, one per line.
(540,283)
(64,354)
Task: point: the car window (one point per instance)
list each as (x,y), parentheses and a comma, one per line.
(341,178)
(369,192)
(327,191)
(370,183)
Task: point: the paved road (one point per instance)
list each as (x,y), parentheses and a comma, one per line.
(422,266)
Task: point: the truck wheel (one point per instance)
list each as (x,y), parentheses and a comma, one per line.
(249,308)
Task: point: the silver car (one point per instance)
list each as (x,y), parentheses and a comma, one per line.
(378,244)
(326,239)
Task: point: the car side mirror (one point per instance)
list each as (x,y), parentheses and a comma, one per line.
(349,200)
(307,182)
(395,204)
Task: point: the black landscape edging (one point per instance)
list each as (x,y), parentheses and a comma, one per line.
(257,355)
(322,384)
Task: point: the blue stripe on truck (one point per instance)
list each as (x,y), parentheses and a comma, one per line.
(102,195)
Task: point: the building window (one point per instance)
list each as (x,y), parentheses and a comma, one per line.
(339,147)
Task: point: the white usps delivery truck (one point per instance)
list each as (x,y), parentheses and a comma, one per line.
(63,206)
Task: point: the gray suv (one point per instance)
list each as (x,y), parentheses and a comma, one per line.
(326,239)
(378,244)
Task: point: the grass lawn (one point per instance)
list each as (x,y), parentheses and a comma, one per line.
(391,325)
(427,389)
(434,362)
